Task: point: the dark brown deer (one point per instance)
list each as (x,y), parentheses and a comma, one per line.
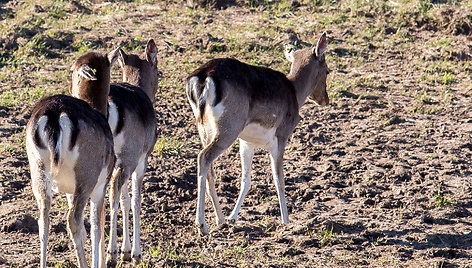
(258,105)
(133,123)
(70,150)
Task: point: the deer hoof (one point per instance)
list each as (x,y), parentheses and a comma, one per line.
(111,263)
(126,256)
(137,259)
(111,259)
(203,229)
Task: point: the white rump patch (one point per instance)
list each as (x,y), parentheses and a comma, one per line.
(258,135)
(63,176)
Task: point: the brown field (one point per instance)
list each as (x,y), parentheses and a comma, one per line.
(379,178)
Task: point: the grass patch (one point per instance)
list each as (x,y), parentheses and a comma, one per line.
(168,146)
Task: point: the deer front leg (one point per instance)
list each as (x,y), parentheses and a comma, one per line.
(276,149)
(246,151)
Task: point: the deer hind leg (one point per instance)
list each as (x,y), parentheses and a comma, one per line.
(205,159)
(125,203)
(75,223)
(276,150)
(136,188)
(70,204)
(97,215)
(119,180)
(97,218)
(42,193)
(246,151)
(211,191)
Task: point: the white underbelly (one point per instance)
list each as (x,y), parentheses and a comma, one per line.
(258,135)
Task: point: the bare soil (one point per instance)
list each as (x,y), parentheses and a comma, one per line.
(379,178)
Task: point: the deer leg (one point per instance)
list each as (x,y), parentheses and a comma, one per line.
(97,229)
(125,202)
(136,188)
(70,204)
(119,178)
(246,150)
(204,161)
(75,222)
(42,193)
(211,191)
(276,149)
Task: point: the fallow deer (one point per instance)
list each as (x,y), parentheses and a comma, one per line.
(258,105)
(133,123)
(70,150)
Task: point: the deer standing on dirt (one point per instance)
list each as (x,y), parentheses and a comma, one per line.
(258,105)
(133,123)
(70,150)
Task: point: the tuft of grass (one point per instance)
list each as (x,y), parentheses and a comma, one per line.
(327,237)
(440,199)
(168,146)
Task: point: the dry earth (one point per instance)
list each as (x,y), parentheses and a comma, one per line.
(379,178)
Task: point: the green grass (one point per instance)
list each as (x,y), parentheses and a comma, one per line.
(168,146)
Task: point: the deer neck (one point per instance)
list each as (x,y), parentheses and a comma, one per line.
(303,82)
(144,84)
(96,96)
(147,87)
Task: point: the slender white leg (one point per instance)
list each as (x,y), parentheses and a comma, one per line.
(276,158)
(95,228)
(246,151)
(137,185)
(125,202)
(211,191)
(201,184)
(102,255)
(204,161)
(119,178)
(42,193)
(75,222)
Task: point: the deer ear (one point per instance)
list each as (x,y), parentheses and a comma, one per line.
(151,52)
(321,46)
(113,56)
(122,58)
(288,51)
(86,72)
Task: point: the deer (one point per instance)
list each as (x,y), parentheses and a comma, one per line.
(257,105)
(70,150)
(133,124)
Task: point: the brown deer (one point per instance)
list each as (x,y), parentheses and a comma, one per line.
(258,105)
(70,150)
(133,123)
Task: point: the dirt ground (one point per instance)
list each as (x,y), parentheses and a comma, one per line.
(379,178)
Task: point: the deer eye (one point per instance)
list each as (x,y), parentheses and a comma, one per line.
(328,70)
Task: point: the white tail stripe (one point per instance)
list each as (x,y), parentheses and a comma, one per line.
(112,116)
(192,89)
